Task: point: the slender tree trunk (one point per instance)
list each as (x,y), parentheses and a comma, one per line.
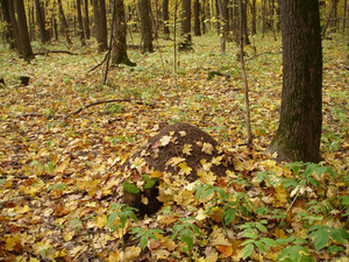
(264,11)
(299,132)
(119,52)
(146,26)
(9,34)
(87,21)
(64,23)
(80,23)
(197,29)
(166,18)
(344,16)
(24,41)
(223,14)
(100,24)
(186,25)
(254,14)
(40,17)
(244,22)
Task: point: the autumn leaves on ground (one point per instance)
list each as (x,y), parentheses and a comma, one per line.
(60,172)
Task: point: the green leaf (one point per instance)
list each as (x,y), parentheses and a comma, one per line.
(150,182)
(340,235)
(229,216)
(131,188)
(321,239)
(187,236)
(268,241)
(111,218)
(247,251)
(143,242)
(261,228)
(261,246)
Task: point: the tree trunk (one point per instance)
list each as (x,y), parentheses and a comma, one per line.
(166,18)
(9,33)
(100,24)
(40,17)
(244,22)
(253,22)
(146,26)
(264,11)
(197,29)
(64,23)
(80,23)
(299,132)
(23,35)
(186,43)
(87,21)
(119,52)
(223,14)
(344,16)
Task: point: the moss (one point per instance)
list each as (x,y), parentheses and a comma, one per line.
(149,182)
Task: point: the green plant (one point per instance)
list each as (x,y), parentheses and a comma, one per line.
(321,235)
(145,234)
(251,231)
(119,215)
(293,250)
(186,230)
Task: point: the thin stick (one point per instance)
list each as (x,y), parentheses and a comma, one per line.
(110,44)
(247,103)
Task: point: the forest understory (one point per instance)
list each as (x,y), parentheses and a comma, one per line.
(60,166)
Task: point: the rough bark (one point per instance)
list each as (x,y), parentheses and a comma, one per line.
(146,26)
(299,132)
(186,25)
(80,23)
(64,24)
(40,18)
(119,51)
(87,21)
(100,24)
(166,18)
(197,29)
(224,16)
(23,35)
(244,22)
(253,21)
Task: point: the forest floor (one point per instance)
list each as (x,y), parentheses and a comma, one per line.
(58,172)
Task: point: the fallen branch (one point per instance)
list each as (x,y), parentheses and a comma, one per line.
(103,102)
(56,52)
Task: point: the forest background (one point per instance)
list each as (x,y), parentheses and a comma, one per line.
(63,140)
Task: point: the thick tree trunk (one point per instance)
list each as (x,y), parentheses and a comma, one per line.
(166,18)
(299,132)
(100,24)
(146,26)
(23,35)
(87,21)
(197,29)
(119,52)
(80,23)
(186,25)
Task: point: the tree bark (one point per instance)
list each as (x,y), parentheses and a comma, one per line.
(23,35)
(119,51)
(186,25)
(9,33)
(100,24)
(64,23)
(146,26)
(40,17)
(80,23)
(254,14)
(244,22)
(223,14)
(197,29)
(299,132)
(166,18)
(87,21)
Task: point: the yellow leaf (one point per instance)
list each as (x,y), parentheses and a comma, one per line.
(207,148)
(67,236)
(101,221)
(23,209)
(187,148)
(165,140)
(226,251)
(217,214)
(175,161)
(217,160)
(131,253)
(281,196)
(185,168)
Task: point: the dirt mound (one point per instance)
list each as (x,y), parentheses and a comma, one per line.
(180,150)
(179,147)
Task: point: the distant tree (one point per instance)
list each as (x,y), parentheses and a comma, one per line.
(186,25)
(253,20)
(146,25)
(197,29)
(87,21)
(9,31)
(299,132)
(40,18)
(166,18)
(80,23)
(119,50)
(224,23)
(64,24)
(244,22)
(100,24)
